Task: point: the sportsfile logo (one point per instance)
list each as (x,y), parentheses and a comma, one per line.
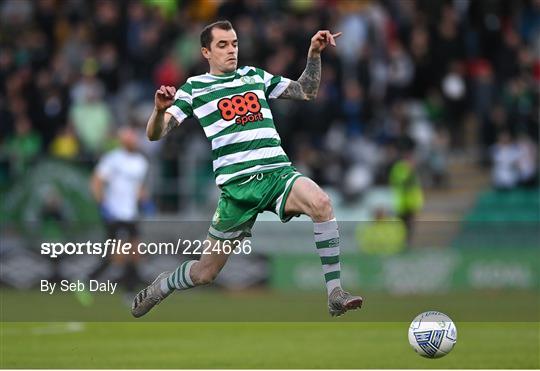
(119,247)
(246,106)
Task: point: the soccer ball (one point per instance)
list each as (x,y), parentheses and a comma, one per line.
(432,334)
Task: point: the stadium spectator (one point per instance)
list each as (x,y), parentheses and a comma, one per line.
(65,144)
(90,115)
(93,64)
(23,146)
(405,183)
(527,161)
(438,158)
(385,235)
(505,157)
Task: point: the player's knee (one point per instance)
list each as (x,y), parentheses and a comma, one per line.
(321,207)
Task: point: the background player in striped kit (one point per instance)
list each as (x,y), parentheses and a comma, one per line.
(251,169)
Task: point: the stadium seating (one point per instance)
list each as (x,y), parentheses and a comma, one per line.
(502,219)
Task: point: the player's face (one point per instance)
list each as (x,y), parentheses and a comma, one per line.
(223,53)
(128,138)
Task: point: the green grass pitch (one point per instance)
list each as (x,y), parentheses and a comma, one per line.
(305,338)
(258,345)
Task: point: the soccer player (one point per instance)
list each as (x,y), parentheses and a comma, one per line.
(118,187)
(251,169)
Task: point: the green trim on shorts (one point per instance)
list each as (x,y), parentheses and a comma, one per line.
(224,236)
(282,216)
(244,198)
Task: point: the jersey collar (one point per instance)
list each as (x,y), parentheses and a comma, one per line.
(222,76)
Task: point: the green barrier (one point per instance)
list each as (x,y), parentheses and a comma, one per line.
(51,201)
(416,271)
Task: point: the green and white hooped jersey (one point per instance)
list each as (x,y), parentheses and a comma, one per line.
(234,113)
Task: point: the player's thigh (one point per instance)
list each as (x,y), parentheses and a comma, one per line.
(304,193)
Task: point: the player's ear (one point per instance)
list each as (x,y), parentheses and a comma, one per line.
(205,52)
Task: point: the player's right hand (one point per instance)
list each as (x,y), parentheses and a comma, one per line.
(164,97)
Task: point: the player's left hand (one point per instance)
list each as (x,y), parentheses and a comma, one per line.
(321,40)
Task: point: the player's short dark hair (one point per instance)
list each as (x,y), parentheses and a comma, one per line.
(206,34)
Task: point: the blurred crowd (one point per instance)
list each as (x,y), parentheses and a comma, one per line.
(430,75)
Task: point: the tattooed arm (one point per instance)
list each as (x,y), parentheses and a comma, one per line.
(161,122)
(307,86)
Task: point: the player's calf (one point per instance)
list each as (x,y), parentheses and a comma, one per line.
(204,276)
(162,287)
(189,274)
(207,268)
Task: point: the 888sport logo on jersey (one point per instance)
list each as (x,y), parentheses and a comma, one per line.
(246,108)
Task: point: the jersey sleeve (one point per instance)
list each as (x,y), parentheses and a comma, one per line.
(105,167)
(274,86)
(182,106)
